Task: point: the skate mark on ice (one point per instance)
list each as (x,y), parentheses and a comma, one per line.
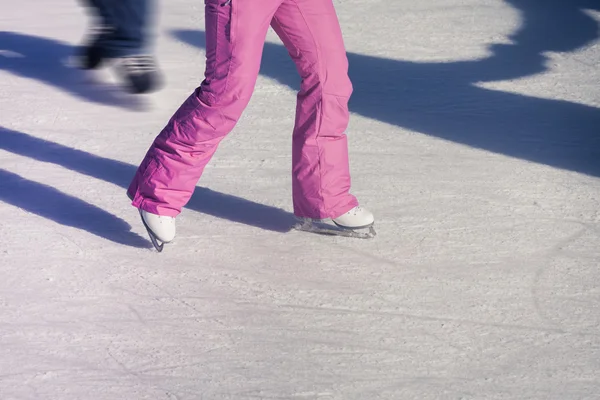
(392,314)
(444,100)
(577,295)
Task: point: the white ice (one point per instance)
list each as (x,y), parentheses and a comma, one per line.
(474,139)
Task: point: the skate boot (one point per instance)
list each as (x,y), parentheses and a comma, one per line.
(90,57)
(92,54)
(161,229)
(356,223)
(140,73)
(357,218)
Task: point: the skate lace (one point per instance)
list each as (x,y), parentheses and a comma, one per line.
(138,64)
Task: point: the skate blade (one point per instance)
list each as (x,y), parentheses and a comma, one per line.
(158,245)
(322,228)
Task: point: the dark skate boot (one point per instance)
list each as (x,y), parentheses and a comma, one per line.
(140,73)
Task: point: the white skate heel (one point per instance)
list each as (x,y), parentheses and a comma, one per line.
(353,223)
(161,229)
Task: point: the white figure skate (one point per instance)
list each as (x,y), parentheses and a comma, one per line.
(161,229)
(356,223)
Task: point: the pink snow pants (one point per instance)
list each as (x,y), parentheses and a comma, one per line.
(235,36)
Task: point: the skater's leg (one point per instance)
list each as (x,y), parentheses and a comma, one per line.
(102,9)
(122,33)
(321,177)
(235,35)
(122,27)
(132,27)
(94,50)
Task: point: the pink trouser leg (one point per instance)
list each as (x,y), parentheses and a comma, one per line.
(320,175)
(235,35)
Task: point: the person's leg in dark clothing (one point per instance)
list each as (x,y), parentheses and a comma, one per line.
(120,32)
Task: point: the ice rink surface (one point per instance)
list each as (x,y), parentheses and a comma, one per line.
(474,139)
